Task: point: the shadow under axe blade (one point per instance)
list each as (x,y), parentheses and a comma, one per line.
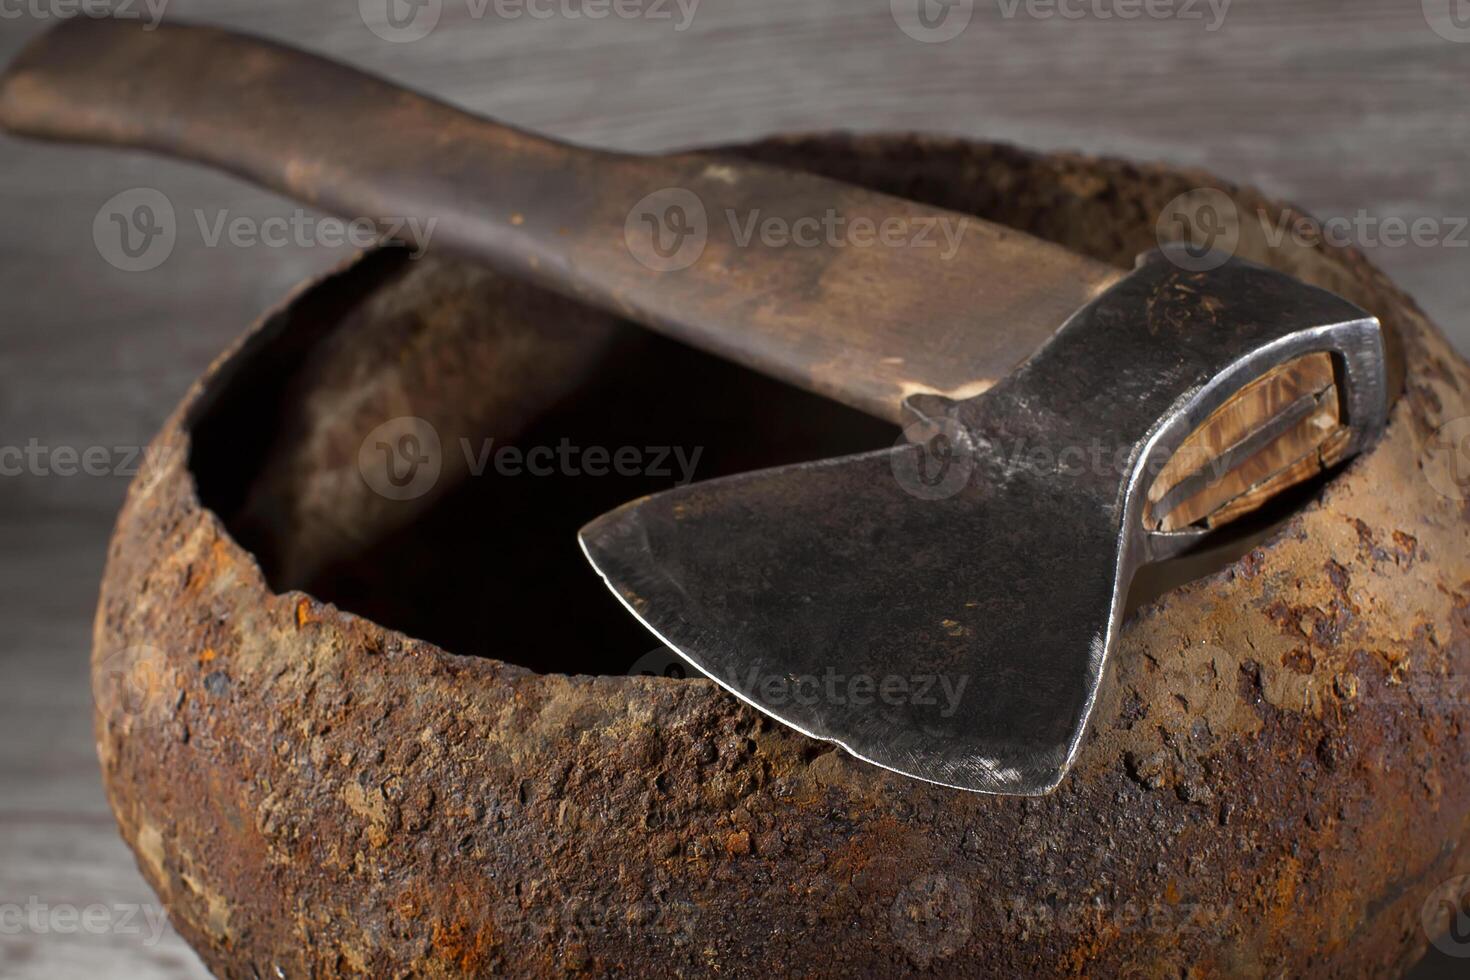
(944,608)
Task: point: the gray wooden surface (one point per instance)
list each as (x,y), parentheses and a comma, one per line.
(1348,107)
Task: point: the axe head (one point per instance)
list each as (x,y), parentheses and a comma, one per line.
(946,608)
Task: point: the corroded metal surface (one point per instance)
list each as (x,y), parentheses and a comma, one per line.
(1272,784)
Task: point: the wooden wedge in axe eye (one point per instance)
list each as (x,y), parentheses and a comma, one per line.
(944,608)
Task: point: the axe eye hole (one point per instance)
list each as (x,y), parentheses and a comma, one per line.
(1278,431)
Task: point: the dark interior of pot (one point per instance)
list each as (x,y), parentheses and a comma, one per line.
(526,394)
(512,402)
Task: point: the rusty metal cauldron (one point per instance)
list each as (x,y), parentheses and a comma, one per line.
(357,726)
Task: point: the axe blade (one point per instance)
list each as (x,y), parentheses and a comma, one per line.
(927,636)
(945,608)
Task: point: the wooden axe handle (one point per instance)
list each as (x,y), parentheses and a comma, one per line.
(859,296)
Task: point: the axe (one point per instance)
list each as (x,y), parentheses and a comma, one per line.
(944,608)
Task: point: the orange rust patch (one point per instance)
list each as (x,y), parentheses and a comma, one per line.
(1284,907)
(196,577)
(1085,953)
(303,612)
(469,948)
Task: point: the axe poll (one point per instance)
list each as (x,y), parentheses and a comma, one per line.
(1065,421)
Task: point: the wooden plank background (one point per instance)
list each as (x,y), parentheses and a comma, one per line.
(1345,106)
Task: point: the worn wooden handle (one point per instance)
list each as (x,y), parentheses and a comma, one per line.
(859,296)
